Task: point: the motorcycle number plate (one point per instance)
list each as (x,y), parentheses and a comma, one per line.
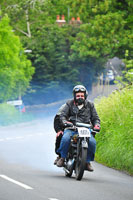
(84,132)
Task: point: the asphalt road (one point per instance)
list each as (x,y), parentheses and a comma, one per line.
(27,171)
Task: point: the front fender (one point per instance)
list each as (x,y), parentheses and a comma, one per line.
(84,144)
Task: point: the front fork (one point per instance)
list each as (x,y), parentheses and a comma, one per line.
(82,143)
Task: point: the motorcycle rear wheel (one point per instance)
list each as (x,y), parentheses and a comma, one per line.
(80,164)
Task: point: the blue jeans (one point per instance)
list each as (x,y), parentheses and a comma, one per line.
(65,142)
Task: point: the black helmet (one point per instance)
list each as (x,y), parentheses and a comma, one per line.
(79,88)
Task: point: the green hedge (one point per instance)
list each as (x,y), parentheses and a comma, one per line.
(115,141)
(10,115)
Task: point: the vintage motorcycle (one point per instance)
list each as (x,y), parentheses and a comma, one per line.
(77,154)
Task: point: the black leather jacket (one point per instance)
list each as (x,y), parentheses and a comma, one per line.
(87,114)
(57,123)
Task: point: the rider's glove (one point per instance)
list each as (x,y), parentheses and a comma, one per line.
(96,128)
(67,124)
(59,133)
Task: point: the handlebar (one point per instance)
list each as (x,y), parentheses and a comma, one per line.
(78,124)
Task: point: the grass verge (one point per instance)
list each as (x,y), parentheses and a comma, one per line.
(115,141)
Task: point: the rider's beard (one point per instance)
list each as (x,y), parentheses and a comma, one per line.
(80,101)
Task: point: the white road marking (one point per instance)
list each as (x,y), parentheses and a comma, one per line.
(8,138)
(16,182)
(29,135)
(52,199)
(40,134)
(20,137)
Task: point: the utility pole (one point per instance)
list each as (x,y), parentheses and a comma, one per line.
(68,13)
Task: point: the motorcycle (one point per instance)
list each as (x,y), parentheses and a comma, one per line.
(77,154)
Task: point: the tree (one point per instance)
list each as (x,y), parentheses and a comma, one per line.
(127,73)
(70,54)
(15,70)
(106,33)
(50,56)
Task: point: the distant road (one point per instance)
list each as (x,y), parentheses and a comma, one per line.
(27,171)
(42,109)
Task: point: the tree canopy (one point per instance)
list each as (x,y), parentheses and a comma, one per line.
(15,69)
(72,53)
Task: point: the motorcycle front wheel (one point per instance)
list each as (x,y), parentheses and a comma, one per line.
(80,163)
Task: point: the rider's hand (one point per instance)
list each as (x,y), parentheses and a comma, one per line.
(96,128)
(59,133)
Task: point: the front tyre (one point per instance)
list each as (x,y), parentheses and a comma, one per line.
(80,163)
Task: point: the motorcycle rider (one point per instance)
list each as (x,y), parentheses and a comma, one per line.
(59,132)
(78,109)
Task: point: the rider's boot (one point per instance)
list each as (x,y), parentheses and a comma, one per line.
(56,160)
(60,162)
(89,167)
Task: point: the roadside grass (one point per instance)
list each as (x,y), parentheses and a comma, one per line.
(115,141)
(10,115)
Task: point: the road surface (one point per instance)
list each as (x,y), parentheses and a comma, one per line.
(27,171)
